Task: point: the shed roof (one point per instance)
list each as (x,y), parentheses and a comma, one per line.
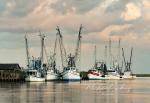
(9,66)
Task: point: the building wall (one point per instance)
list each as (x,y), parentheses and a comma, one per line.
(11,75)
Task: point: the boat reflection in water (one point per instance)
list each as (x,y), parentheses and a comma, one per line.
(104,91)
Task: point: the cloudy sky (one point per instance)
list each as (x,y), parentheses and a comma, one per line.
(101,19)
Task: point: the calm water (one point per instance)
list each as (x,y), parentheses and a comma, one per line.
(109,91)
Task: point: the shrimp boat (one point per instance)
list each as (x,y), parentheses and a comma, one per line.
(114,70)
(99,70)
(113,75)
(51,73)
(34,76)
(98,73)
(70,72)
(69,64)
(34,72)
(128,72)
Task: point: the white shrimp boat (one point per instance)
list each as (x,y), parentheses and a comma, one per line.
(51,75)
(128,72)
(34,76)
(113,74)
(71,74)
(70,71)
(34,72)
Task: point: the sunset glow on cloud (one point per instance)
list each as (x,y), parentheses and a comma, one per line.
(101,20)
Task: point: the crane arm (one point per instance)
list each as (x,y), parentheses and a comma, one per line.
(131,58)
(124,58)
(27,50)
(62,48)
(78,47)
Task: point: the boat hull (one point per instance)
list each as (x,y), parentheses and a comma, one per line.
(128,75)
(112,77)
(34,79)
(94,77)
(71,75)
(51,76)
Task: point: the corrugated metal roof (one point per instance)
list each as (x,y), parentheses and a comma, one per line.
(9,66)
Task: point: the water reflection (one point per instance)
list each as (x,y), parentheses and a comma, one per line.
(116,91)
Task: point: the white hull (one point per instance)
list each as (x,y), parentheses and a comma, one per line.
(128,75)
(51,76)
(34,79)
(95,77)
(107,77)
(113,77)
(71,75)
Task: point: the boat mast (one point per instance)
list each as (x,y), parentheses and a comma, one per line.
(110,48)
(78,47)
(110,54)
(105,54)
(27,50)
(95,54)
(119,46)
(42,48)
(125,64)
(130,59)
(62,49)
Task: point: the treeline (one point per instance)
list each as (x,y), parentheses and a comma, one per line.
(142,75)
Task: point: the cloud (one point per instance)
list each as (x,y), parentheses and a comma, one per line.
(74,6)
(117,7)
(106,33)
(146,9)
(131,12)
(101,19)
(16,8)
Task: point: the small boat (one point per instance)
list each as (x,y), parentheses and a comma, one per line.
(34,76)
